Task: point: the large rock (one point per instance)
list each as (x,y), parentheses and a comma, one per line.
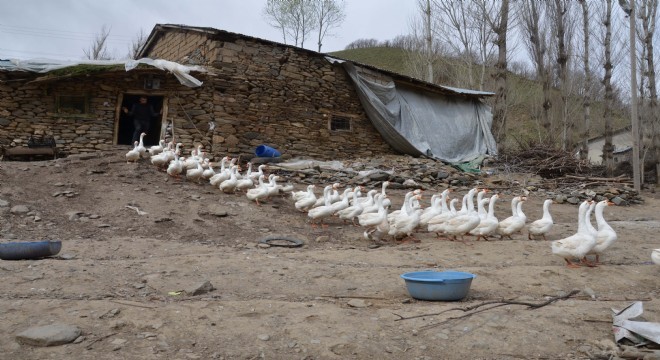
(49,335)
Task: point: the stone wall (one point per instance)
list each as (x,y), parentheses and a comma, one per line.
(30,108)
(284,97)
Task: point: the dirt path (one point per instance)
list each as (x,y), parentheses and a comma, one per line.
(336,297)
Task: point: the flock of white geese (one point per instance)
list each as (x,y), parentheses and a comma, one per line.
(372,210)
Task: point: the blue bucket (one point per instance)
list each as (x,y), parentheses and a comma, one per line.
(29,250)
(266,151)
(438,286)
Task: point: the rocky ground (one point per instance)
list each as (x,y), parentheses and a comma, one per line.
(141,250)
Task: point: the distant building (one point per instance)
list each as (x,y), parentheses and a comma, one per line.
(622,141)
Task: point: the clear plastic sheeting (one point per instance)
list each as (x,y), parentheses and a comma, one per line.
(415,122)
(181,72)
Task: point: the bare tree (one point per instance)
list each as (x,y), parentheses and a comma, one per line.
(329,14)
(456,30)
(560,13)
(422,51)
(586,96)
(277,14)
(535,30)
(648,14)
(608,148)
(294,18)
(499,23)
(137,44)
(98,50)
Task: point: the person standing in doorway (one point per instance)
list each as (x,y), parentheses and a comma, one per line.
(142,114)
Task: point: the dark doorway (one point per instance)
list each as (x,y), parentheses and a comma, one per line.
(125,129)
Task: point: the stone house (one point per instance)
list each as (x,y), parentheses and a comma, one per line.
(254,92)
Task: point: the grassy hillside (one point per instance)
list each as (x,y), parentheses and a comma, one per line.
(524,96)
(385,58)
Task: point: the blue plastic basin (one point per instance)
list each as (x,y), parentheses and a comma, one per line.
(438,285)
(29,250)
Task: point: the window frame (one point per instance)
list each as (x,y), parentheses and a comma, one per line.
(342,118)
(83,97)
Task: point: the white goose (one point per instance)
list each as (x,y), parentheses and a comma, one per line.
(436,208)
(222,174)
(161,159)
(404,225)
(343,203)
(436,223)
(323,211)
(655,256)
(260,171)
(487,225)
(321,201)
(543,225)
(515,222)
(605,235)
(208,169)
(157,149)
(577,245)
(352,212)
(175,168)
(306,202)
(371,220)
(404,207)
(260,192)
(140,148)
(462,224)
(368,202)
(228,186)
(245,183)
(273,186)
(195,174)
(133,155)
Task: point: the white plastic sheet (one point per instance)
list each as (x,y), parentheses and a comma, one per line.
(635,331)
(181,72)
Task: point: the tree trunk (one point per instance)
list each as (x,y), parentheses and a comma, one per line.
(586,101)
(608,148)
(649,13)
(499,106)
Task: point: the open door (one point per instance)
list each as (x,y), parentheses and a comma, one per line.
(125,127)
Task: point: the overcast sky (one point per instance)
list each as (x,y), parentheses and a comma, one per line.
(61,29)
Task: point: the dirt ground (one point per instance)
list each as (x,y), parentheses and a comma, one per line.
(119,276)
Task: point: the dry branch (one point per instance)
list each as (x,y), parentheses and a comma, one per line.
(496,303)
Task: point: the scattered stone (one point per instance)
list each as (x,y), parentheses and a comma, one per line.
(358,303)
(49,335)
(217,210)
(4,203)
(199,289)
(263,337)
(19,210)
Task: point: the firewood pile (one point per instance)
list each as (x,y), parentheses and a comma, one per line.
(545,161)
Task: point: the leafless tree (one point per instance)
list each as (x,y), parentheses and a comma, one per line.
(137,44)
(651,127)
(608,147)
(329,14)
(535,30)
(98,50)
(498,21)
(294,18)
(422,49)
(562,24)
(586,96)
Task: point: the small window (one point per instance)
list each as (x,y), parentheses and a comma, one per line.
(340,123)
(72,104)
